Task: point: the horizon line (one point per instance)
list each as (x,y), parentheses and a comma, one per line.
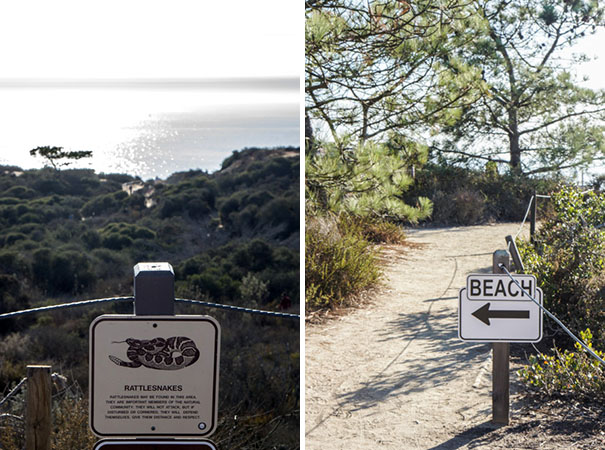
(234,83)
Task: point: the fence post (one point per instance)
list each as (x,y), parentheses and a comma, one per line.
(500,360)
(153,289)
(533,210)
(514,252)
(38,421)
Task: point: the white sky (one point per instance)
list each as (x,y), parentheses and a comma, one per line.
(151,39)
(592,46)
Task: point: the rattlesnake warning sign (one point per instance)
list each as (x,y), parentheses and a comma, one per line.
(154,375)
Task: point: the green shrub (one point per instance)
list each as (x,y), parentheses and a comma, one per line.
(9,201)
(568,259)
(117,236)
(468,196)
(468,206)
(11,238)
(19,192)
(567,373)
(11,262)
(339,263)
(104,204)
(58,272)
(91,238)
(116,241)
(215,284)
(253,290)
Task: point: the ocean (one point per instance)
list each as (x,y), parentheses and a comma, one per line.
(146,128)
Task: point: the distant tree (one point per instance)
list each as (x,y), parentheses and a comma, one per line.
(533,109)
(55,154)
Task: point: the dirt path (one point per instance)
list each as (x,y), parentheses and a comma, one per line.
(394,374)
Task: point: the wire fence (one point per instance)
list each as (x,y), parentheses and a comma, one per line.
(13,391)
(552,316)
(240,309)
(531,200)
(546,311)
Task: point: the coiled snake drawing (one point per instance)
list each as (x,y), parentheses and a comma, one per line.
(173,353)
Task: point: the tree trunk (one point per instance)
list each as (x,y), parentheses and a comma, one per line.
(309,142)
(513,139)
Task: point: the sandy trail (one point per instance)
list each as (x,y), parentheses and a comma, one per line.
(394,374)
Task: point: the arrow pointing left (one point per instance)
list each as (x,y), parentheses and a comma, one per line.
(484,314)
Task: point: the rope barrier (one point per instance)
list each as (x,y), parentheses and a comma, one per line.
(525,217)
(63,306)
(239,308)
(549,314)
(118,299)
(13,391)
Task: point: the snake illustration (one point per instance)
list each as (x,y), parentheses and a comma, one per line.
(173,353)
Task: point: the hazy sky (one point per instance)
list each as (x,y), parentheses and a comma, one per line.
(151,39)
(150,86)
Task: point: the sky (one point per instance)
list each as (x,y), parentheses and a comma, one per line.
(150,39)
(149,86)
(592,46)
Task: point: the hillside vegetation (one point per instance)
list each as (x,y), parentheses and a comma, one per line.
(232,237)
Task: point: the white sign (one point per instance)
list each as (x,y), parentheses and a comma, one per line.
(154,445)
(499,287)
(154,375)
(498,311)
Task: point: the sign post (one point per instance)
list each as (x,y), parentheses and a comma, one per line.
(154,374)
(492,308)
(501,358)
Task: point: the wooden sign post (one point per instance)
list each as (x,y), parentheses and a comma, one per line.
(500,360)
(38,421)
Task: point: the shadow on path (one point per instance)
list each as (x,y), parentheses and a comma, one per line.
(469,437)
(441,357)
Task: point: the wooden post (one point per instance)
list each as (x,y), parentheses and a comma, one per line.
(514,252)
(37,416)
(533,210)
(500,360)
(153,289)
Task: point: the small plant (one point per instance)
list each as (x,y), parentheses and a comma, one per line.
(379,231)
(71,429)
(339,263)
(568,373)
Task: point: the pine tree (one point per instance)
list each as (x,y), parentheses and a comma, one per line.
(534,116)
(55,154)
(365,179)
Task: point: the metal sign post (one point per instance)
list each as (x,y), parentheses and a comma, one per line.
(154,374)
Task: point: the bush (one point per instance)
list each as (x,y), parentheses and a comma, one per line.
(568,259)
(339,263)
(469,206)
(253,290)
(379,231)
(117,236)
(104,204)
(569,373)
(467,196)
